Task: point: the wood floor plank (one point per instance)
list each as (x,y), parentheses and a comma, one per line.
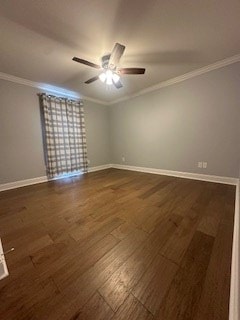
(95,309)
(117,288)
(211,217)
(213,304)
(123,230)
(74,268)
(155,188)
(81,233)
(82,289)
(152,287)
(98,274)
(182,298)
(132,309)
(163,231)
(177,244)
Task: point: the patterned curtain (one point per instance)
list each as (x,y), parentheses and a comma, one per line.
(64,135)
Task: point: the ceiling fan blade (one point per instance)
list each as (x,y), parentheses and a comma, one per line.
(88,63)
(92,80)
(131,70)
(116,55)
(118,84)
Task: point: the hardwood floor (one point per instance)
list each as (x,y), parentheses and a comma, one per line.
(117,245)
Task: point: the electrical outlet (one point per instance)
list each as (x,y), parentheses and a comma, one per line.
(123,159)
(200,164)
(204,165)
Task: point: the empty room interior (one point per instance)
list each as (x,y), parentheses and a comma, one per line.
(119,159)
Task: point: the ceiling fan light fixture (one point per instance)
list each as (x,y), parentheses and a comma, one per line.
(109,76)
(109,81)
(103,77)
(115,77)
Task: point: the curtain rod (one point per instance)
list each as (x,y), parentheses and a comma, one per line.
(60,98)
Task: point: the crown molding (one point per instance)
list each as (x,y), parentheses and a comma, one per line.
(48,88)
(9,77)
(162,84)
(186,76)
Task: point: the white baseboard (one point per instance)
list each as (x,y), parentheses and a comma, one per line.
(234,305)
(28,182)
(187,175)
(98,168)
(22,183)
(3,265)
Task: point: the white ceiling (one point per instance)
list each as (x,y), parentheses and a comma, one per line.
(168,37)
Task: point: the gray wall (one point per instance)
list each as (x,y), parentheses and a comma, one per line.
(21,150)
(177,126)
(98,133)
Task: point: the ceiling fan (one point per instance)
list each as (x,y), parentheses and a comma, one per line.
(110,71)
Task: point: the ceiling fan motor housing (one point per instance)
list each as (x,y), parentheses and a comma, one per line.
(105,60)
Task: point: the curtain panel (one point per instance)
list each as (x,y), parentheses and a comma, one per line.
(64,135)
